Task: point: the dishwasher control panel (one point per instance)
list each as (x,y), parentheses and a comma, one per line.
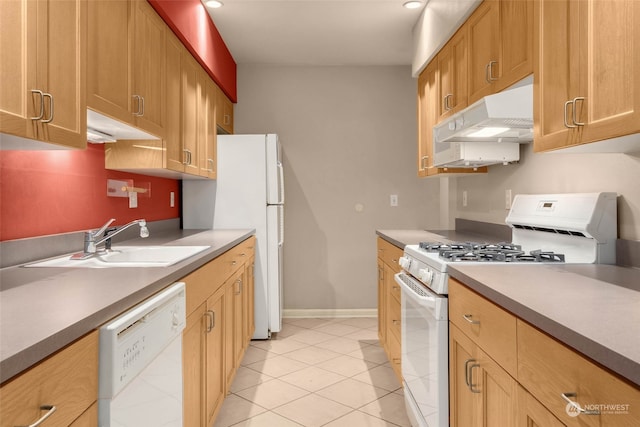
(135,338)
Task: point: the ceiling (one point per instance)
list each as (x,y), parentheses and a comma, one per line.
(317,32)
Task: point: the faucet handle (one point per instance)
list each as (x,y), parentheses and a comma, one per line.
(103,228)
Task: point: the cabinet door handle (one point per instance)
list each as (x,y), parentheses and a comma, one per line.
(50,118)
(212,320)
(577,406)
(468,318)
(471,384)
(488,72)
(210,161)
(140,104)
(575,100)
(50,410)
(239,283)
(41,115)
(447,104)
(566,123)
(422,162)
(227,119)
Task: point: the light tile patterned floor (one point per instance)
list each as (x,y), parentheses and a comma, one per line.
(316,372)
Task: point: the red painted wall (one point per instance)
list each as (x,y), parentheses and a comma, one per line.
(192,24)
(51,192)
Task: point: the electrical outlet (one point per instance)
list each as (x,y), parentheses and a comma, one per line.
(133,199)
(465,201)
(393,200)
(172,199)
(507,199)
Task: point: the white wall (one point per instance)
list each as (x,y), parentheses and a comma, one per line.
(349,137)
(555,173)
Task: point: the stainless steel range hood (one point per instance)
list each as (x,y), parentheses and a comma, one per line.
(504,117)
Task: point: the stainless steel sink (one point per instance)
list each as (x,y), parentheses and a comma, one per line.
(127,256)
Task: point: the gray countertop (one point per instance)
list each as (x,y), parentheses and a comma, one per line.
(44,309)
(400,238)
(593,308)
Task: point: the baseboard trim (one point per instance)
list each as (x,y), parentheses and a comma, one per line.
(328,313)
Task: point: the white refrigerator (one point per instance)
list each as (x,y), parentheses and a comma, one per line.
(248,193)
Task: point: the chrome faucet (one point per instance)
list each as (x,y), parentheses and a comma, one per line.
(96,237)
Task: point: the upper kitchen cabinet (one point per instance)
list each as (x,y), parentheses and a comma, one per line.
(429,104)
(126,69)
(452,75)
(587,72)
(500,46)
(224,112)
(191,82)
(207,131)
(42,63)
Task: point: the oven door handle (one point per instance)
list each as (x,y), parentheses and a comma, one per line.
(415,291)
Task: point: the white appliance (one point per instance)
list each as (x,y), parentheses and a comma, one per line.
(248,193)
(581,226)
(140,363)
(487,132)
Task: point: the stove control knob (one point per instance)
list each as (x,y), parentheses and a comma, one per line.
(404,262)
(425,275)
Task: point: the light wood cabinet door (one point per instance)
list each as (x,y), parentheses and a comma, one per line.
(172,134)
(207,131)
(67,380)
(488,325)
(215,378)
(249,301)
(17,68)
(452,75)
(587,72)
(148,73)
(224,112)
(532,413)
(516,41)
(481,392)
(428,107)
(549,369)
(109,53)
(485,56)
(382,305)
(88,419)
(43,64)
(194,367)
(190,101)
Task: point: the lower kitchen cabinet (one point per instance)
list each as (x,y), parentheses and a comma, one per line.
(481,392)
(219,316)
(68,380)
(389,322)
(531,413)
(549,370)
(485,390)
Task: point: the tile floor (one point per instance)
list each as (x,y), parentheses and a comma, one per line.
(316,372)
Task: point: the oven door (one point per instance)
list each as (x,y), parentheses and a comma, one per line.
(425,353)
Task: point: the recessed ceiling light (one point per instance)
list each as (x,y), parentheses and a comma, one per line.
(412,4)
(214,4)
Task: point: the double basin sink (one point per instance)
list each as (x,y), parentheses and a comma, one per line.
(127,256)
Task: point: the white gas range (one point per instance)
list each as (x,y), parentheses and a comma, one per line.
(552,228)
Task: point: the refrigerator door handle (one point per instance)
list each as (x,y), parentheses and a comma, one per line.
(281,182)
(281,225)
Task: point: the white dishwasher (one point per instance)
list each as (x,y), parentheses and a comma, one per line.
(140,363)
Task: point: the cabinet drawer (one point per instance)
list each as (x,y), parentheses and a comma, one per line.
(547,369)
(67,380)
(203,282)
(389,253)
(488,325)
